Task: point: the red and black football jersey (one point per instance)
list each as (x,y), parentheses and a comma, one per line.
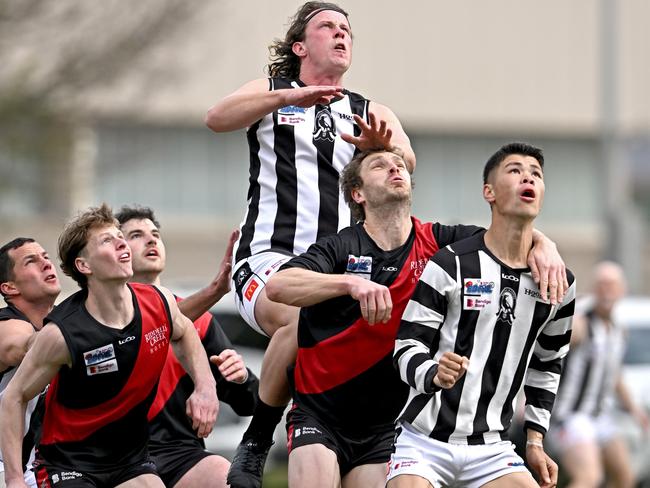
(96,410)
(168,420)
(344,370)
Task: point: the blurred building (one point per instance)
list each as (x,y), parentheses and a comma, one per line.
(463,77)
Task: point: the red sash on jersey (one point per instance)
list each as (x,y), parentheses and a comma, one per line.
(173,371)
(81,423)
(337,359)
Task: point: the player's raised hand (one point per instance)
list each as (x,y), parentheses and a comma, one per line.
(308,96)
(451,368)
(373,135)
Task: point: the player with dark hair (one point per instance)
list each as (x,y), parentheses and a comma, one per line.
(29,285)
(475,330)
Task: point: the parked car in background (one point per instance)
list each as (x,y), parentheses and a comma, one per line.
(633,313)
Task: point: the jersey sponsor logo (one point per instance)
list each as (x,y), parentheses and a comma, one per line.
(292,110)
(101,368)
(99,355)
(124,341)
(157,338)
(250,291)
(359,266)
(405,464)
(306,431)
(69,475)
(518,463)
(389,268)
(291,115)
(324,126)
(418,267)
(343,116)
(474,303)
(507,303)
(532,293)
(509,277)
(274,266)
(477,287)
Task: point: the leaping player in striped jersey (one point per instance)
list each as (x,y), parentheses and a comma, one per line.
(475,330)
(303,128)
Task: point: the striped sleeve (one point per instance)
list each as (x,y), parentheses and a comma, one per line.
(421,322)
(543,374)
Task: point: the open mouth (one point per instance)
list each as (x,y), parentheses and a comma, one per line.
(528,195)
(50,278)
(125,257)
(152,253)
(340,47)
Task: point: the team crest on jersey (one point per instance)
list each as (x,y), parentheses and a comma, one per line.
(100,360)
(507,303)
(359,266)
(291,115)
(324,126)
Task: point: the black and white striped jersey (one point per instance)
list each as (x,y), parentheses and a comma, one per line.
(591,370)
(469,302)
(296,156)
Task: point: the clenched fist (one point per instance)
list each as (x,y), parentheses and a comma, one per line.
(451,368)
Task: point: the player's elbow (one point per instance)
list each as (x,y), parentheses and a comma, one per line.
(213,120)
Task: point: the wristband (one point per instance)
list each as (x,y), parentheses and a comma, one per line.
(535,443)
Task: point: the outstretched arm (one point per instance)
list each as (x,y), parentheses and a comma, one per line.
(302,288)
(254,100)
(200,302)
(202,405)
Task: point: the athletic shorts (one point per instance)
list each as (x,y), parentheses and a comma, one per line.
(447,465)
(249,279)
(304,429)
(580,428)
(174,461)
(52,476)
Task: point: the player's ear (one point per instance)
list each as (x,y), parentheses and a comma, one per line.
(357,195)
(299,49)
(488,193)
(82,266)
(9,289)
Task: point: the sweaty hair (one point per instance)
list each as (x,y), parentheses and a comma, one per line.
(512,148)
(283,62)
(74,238)
(6,263)
(351,179)
(136,212)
